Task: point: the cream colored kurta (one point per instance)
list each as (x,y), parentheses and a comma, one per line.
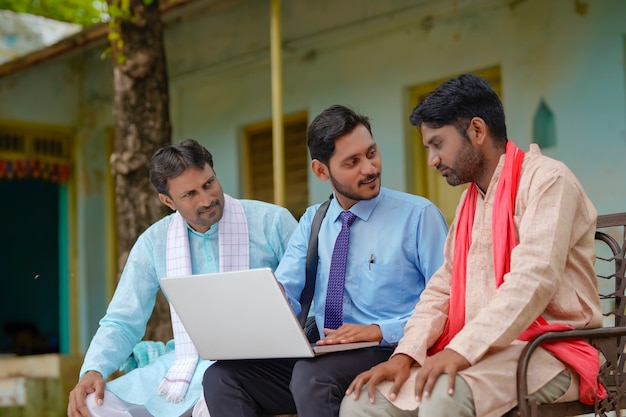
(551,275)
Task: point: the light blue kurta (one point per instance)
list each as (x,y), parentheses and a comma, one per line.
(124,323)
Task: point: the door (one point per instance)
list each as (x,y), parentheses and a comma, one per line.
(34,168)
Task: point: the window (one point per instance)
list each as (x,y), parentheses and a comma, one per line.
(258,151)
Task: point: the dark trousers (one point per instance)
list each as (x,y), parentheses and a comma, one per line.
(309,387)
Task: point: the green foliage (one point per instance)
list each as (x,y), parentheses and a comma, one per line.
(86,13)
(83,12)
(118,10)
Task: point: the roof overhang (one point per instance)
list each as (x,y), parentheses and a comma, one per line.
(97,34)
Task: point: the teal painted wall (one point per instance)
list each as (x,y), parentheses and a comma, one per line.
(570,56)
(364,53)
(64,272)
(74,92)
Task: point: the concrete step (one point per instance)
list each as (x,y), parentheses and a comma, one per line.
(37,385)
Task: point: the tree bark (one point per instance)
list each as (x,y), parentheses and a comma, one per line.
(142,125)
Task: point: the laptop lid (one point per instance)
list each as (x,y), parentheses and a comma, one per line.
(241,315)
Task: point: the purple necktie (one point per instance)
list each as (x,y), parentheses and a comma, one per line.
(333,315)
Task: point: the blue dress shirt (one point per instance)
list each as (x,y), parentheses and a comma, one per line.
(396,244)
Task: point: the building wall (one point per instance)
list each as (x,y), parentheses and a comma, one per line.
(74,92)
(364,53)
(568,53)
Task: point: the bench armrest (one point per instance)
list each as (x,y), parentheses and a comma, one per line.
(613,333)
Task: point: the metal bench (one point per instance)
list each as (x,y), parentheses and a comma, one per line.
(609,340)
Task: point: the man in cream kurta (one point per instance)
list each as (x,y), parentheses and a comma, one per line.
(551,275)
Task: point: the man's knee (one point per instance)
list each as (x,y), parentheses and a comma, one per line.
(362,407)
(305,379)
(441,404)
(217,377)
(112,406)
(90,403)
(359,407)
(305,370)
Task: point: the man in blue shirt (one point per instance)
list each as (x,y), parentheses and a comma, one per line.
(395,245)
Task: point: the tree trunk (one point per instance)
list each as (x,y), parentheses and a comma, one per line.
(142,125)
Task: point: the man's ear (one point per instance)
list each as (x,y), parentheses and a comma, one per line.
(320,170)
(478,130)
(167,201)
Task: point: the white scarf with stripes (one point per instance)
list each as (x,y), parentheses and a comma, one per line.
(234,248)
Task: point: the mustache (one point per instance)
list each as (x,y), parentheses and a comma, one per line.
(203,209)
(370,178)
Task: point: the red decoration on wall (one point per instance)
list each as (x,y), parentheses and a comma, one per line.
(37,168)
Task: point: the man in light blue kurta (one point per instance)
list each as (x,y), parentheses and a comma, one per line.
(123,326)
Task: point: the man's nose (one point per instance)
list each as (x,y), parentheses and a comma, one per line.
(368,167)
(433,159)
(206,198)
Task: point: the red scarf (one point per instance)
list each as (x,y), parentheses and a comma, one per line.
(578,354)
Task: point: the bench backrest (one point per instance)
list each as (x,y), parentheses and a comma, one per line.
(610,265)
(610,268)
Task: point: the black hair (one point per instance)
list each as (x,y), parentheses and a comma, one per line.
(330,124)
(457,101)
(170,161)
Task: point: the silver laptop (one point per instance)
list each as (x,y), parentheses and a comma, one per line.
(241,315)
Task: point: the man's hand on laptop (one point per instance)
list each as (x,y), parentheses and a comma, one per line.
(352,333)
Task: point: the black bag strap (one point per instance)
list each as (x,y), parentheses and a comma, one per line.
(311,262)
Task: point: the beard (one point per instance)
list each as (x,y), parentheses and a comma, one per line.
(209,215)
(357,194)
(465,168)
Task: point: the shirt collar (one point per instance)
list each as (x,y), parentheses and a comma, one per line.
(362,209)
